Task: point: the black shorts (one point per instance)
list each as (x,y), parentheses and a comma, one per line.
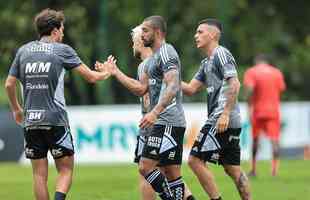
(165,144)
(40,139)
(139,147)
(220,148)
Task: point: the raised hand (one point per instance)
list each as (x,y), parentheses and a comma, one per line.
(108,66)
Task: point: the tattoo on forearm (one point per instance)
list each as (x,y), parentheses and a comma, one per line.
(173,86)
(243,187)
(232,93)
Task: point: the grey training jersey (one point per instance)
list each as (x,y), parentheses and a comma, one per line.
(164,59)
(144,105)
(214,73)
(141,68)
(41,68)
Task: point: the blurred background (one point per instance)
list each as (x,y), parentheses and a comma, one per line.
(104,116)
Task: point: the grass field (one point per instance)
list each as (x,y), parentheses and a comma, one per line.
(119,182)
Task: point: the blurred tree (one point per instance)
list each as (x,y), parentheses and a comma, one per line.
(99,28)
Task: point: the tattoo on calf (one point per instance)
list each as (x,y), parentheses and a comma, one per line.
(243,187)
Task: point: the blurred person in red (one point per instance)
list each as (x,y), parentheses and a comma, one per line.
(264,84)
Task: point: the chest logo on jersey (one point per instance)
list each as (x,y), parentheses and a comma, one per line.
(38,86)
(210,89)
(35,115)
(209,65)
(37,67)
(152,81)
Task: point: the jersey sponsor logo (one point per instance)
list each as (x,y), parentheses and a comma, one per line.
(38,86)
(210,89)
(35,115)
(37,67)
(154,142)
(152,81)
(41,48)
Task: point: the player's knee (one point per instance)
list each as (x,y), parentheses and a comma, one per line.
(231,172)
(40,176)
(192,162)
(144,169)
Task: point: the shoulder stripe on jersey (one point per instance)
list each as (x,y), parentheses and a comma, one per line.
(222,56)
(162,57)
(164,54)
(166,51)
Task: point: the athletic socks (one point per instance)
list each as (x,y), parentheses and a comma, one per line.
(160,184)
(60,196)
(177,188)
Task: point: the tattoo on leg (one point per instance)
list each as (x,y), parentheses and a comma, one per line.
(243,187)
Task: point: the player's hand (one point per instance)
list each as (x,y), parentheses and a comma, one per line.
(222,123)
(100,67)
(148,120)
(18,116)
(110,64)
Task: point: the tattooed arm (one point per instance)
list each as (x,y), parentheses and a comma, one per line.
(231,95)
(171,79)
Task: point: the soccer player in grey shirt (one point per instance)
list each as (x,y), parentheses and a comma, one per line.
(40,67)
(144,53)
(166,120)
(218,141)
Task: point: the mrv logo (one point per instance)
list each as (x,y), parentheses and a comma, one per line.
(37,67)
(113,136)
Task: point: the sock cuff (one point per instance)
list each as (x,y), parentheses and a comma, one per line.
(175,182)
(60,196)
(152,176)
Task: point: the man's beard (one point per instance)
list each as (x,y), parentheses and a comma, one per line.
(149,43)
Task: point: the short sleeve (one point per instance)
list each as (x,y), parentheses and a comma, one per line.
(200,74)
(248,79)
(70,58)
(169,58)
(15,67)
(226,63)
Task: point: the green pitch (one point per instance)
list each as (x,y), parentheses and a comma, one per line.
(119,182)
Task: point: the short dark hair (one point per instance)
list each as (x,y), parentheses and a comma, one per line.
(157,22)
(212,22)
(47,20)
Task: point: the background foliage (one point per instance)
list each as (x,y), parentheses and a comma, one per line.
(99,28)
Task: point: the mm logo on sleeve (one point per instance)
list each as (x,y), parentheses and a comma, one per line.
(35,115)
